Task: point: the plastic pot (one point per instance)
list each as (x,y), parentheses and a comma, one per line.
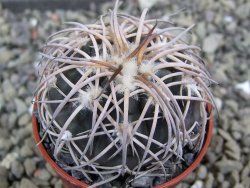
(71,182)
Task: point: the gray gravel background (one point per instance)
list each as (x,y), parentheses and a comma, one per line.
(222,30)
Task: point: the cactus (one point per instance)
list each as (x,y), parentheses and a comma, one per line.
(122,98)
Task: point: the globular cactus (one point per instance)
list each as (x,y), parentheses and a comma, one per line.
(122,97)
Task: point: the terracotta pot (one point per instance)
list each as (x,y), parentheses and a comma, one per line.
(71,182)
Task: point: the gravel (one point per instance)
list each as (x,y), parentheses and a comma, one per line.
(17,169)
(24,119)
(212,42)
(21,107)
(6,55)
(202,172)
(197,184)
(5,145)
(209,182)
(26,183)
(42,174)
(3,177)
(30,166)
(225,165)
(20,33)
(8,90)
(26,151)
(222,32)
(8,159)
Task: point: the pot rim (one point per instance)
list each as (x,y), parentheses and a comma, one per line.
(65,176)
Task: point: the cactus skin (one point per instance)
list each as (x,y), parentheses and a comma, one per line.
(122,97)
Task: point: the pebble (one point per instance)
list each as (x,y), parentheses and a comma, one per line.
(42,174)
(146,4)
(246,122)
(217,143)
(5,144)
(39,182)
(228,19)
(184,20)
(5,28)
(246,141)
(190,178)
(225,184)
(237,126)
(212,43)
(10,106)
(58,184)
(26,151)
(197,184)
(3,177)
(30,166)
(246,171)
(15,184)
(24,120)
(21,107)
(209,15)
(220,76)
(231,27)
(17,169)
(229,4)
(1,101)
(50,170)
(53,181)
(233,149)
(219,103)
(225,165)
(234,177)
(237,135)
(24,58)
(8,159)
(220,177)
(9,90)
(201,29)
(22,91)
(243,11)
(244,86)
(211,156)
(209,182)
(20,33)
(238,185)
(182,185)
(202,172)
(245,151)
(12,120)
(233,105)
(6,55)
(14,79)
(246,182)
(225,135)
(20,134)
(26,183)
(30,142)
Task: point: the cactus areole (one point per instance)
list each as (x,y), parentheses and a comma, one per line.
(123,100)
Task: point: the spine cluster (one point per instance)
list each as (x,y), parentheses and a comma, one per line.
(122,97)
